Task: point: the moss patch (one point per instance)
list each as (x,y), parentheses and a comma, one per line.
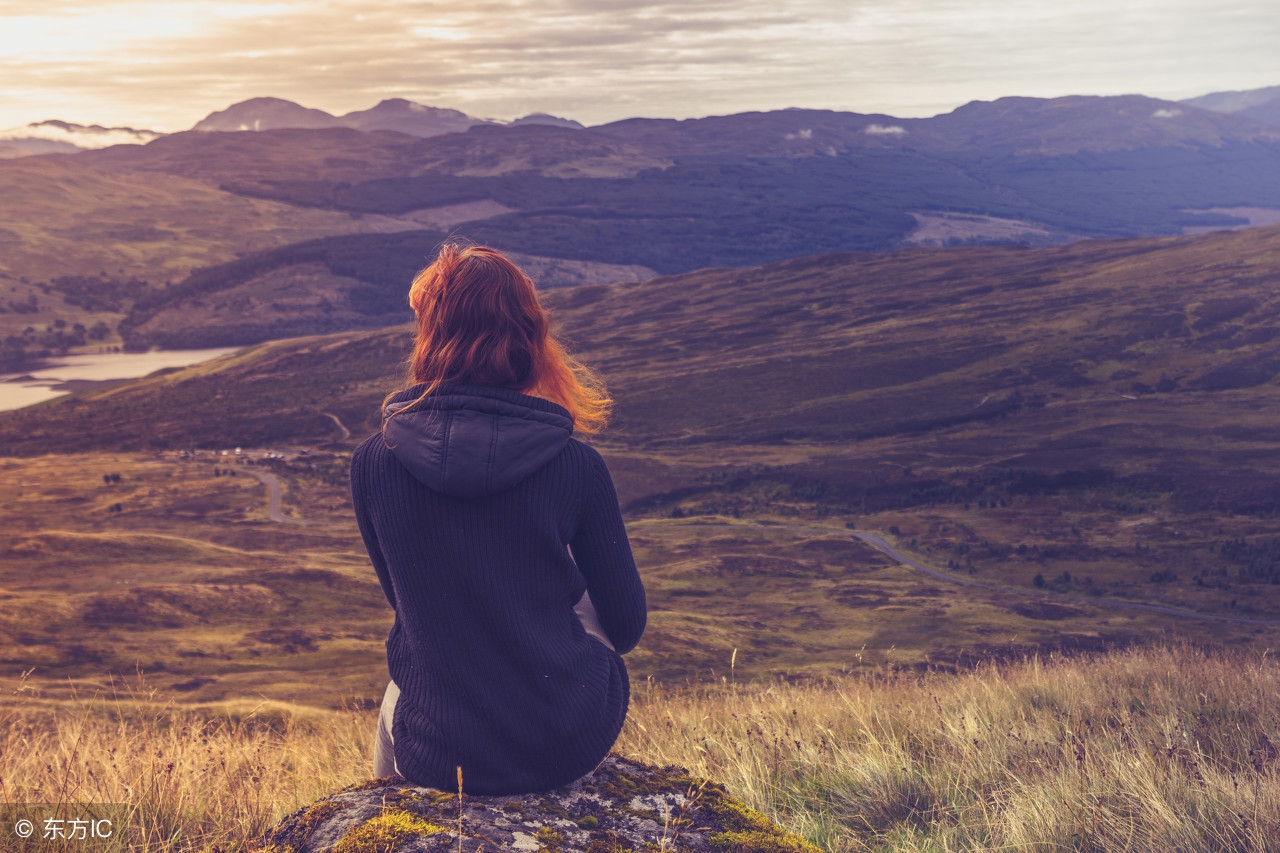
(622,787)
(733,815)
(293,833)
(745,829)
(608,842)
(385,833)
(774,841)
(548,838)
(692,816)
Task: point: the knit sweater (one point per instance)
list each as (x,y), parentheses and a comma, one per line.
(485,521)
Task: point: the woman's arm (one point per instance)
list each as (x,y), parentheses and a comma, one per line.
(366,524)
(603,555)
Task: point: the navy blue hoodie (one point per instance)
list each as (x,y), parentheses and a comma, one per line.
(485,522)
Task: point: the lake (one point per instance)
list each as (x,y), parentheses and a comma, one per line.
(77,372)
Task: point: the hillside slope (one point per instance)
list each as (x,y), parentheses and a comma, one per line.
(826,349)
(610,203)
(66,218)
(1045,126)
(78,245)
(1078,440)
(1261,105)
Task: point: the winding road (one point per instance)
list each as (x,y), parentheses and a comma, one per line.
(273,497)
(346,433)
(880,544)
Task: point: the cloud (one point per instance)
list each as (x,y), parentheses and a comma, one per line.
(167,64)
(884,130)
(807,133)
(93,136)
(1163,113)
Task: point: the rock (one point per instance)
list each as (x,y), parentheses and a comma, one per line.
(622,806)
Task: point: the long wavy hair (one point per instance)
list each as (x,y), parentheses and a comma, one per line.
(480,323)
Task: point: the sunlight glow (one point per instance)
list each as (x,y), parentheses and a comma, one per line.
(446,33)
(153,64)
(104,30)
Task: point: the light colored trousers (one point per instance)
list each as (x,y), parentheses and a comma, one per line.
(384,757)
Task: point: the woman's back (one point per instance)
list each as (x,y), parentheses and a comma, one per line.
(469,503)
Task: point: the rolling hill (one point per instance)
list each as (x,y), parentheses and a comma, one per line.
(1044,126)
(397,114)
(1048,349)
(319,286)
(1068,435)
(61,137)
(674,196)
(78,245)
(611,203)
(1261,105)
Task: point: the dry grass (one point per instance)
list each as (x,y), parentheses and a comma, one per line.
(1152,750)
(1148,750)
(195,778)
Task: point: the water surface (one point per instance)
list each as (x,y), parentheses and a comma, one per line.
(75,372)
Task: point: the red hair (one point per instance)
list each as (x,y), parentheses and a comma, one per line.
(480,322)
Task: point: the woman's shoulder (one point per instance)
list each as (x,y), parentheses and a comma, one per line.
(369,447)
(587,463)
(369,454)
(584,454)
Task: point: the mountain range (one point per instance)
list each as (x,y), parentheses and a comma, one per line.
(161,242)
(1083,428)
(1258,104)
(1105,409)
(394,114)
(60,137)
(1078,440)
(404,116)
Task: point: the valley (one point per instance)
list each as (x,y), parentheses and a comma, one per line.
(177,574)
(946,448)
(1058,433)
(310,224)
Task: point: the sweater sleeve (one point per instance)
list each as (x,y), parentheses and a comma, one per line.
(603,555)
(365,523)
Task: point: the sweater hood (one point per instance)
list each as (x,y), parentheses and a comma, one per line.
(472,441)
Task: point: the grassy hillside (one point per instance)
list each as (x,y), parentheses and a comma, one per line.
(718,210)
(1157,750)
(823,350)
(1045,126)
(62,217)
(98,235)
(325,285)
(79,245)
(1060,432)
(175,569)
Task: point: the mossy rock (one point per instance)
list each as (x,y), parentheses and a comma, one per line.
(621,807)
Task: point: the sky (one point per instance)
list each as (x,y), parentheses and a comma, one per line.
(165,64)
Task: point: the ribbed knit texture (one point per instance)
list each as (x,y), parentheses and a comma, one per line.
(495,670)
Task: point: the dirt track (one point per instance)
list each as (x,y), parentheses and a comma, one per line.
(880,544)
(273,496)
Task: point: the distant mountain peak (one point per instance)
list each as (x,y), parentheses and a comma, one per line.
(266,114)
(1092,123)
(1258,104)
(396,114)
(1234,101)
(405,116)
(400,105)
(548,119)
(54,136)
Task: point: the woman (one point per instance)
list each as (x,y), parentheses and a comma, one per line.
(488,524)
